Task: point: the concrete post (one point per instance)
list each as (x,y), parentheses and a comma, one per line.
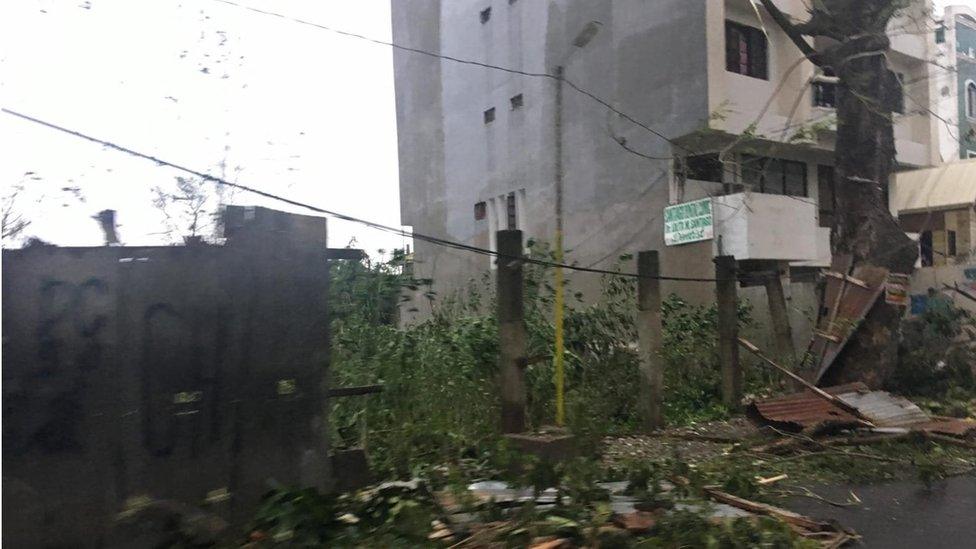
(649,335)
(780,318)
(511,331)
(728,330)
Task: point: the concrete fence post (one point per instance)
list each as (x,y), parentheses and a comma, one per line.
(728,330)
(511,331)
(649,335)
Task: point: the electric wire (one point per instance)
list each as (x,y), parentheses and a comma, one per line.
(379,226)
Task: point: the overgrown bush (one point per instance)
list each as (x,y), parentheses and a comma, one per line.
(439,403)
(935,355)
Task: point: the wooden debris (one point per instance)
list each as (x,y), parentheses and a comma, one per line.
(637,522)
(785,515)
(848,278)
(813,388)
(771,480)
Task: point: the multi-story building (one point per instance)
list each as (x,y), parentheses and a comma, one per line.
(707,98)
(956,82)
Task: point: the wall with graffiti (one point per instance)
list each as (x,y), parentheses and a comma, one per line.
(180,373)
(955,283)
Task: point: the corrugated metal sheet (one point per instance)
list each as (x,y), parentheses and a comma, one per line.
(885,409)
(801,410)
(947,186)
(846,304)
(949,426)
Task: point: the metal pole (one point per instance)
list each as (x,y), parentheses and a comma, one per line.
(558,358)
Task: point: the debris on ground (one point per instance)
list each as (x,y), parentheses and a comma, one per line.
(888,414)
(695,443)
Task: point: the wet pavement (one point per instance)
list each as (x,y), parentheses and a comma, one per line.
(903,514)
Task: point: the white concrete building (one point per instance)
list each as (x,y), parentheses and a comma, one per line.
(719,102)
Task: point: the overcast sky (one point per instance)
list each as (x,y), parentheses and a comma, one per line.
(300,111)
(271,103)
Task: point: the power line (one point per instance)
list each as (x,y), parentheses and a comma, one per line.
(337,215)
(592,96)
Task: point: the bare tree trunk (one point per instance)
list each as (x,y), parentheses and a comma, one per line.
(867,94)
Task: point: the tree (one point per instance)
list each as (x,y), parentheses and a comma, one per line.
(855,46)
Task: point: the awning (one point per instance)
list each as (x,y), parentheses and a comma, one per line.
(945,187)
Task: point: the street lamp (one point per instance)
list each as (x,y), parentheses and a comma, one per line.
(582,39)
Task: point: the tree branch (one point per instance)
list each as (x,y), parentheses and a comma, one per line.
(793,32)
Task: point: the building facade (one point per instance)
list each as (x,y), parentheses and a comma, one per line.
(956,103)
(697,98)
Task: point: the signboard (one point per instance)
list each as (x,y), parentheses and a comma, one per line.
(688,222)
(896,289)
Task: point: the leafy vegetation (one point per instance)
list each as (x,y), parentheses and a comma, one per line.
(936,356)
(439,375)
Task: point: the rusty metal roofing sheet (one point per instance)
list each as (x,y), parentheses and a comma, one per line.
(801,410)
(948,426)
(846,305)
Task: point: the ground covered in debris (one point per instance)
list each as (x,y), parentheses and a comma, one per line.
(713,479)
(715,484)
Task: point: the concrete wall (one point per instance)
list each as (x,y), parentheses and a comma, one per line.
(661,61)
(765,226)
(937,277)
(648,59)
(165,372)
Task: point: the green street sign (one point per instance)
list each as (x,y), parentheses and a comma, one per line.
(688,222)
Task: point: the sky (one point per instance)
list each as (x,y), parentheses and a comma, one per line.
(263,101)
(260,100)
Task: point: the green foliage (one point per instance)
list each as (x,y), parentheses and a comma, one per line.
(930,360)
(391,514)
(440,401)
(687,528)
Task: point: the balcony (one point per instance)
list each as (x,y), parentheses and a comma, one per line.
(770,227)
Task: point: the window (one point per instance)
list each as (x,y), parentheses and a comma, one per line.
(825,90)
(703,167)
(516,101)
(775,176)
(485,15)
(925,248)
(745,50)
(510,213)
(480,211)
(940,35)
(971,99)
(826,195)
(951,243)
(489,115)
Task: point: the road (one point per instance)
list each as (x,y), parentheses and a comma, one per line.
(903,514)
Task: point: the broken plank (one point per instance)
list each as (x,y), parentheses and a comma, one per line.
(848,278)
(816,390)
(785,515)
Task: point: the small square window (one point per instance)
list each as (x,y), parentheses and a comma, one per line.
(489,115)
(480,211)
(485,15)
(516,101)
